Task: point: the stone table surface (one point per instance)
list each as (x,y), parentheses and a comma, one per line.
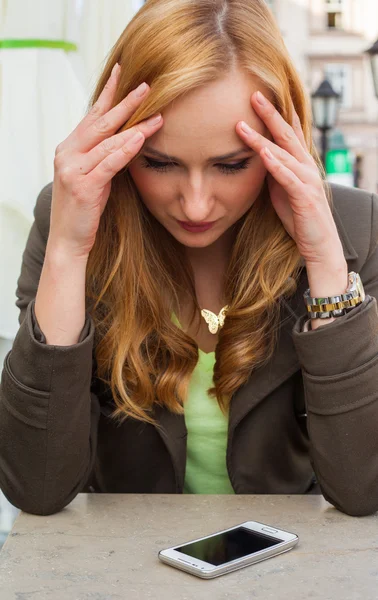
(105,547)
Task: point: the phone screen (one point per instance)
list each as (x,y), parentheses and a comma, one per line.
(228,546)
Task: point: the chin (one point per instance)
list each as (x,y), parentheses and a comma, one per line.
(197,240)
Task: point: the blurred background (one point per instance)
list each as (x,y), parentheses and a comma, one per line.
(52,52)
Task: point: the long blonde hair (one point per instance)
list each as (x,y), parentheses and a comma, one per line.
(136,267)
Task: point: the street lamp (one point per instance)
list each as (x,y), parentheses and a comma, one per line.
(324,108)
(373,52)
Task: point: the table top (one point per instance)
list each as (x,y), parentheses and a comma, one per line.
(105,547)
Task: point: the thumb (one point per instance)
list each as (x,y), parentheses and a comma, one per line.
(281,204)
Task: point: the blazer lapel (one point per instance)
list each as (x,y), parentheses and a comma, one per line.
(284,362)
(174,436)
(349,250)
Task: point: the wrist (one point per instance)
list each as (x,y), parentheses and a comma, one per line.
(61,255)
(325,281)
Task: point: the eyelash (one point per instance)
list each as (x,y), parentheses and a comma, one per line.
(162,167)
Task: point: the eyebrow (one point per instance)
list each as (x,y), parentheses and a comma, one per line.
(214,158)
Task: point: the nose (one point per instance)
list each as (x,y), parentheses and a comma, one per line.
(197,202)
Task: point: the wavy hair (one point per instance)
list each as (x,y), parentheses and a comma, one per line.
(136,268)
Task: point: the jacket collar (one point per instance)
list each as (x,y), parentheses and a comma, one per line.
(284,362)
(349,250)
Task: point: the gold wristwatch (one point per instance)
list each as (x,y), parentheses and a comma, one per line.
(336,306)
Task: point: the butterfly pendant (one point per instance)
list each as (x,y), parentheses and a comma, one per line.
(214,322)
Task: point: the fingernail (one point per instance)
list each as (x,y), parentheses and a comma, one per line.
(141,89)
(154,120)
(260,98)
(115,70)
(245,127)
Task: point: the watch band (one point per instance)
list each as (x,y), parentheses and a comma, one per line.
(336,306)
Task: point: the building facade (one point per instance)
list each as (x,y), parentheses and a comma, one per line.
(328,39)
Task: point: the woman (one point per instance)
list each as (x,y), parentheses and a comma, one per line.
(156,358)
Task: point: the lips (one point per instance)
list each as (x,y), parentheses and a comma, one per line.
(204,224)
(196,228)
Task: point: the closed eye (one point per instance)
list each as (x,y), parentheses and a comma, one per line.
(150,163)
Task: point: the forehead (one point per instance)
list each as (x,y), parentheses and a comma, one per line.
(208,115)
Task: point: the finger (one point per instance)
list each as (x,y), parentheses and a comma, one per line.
(111,121)
(297,126)
(281,131)
(100,107)
(102,122)
(115,161)
(284,176)
(281,203)
(258,142)
(110,145)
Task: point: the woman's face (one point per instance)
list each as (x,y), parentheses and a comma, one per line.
(189,183)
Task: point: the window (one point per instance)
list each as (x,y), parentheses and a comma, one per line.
(335,12)
(340,77)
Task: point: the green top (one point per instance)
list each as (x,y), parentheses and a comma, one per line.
(206,471)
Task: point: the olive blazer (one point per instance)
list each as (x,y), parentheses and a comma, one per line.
(306,422)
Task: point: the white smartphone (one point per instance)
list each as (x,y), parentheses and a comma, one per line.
(229,550)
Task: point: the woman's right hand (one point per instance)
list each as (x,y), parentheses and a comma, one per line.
(85,164)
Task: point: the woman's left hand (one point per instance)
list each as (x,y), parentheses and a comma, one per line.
(296,188)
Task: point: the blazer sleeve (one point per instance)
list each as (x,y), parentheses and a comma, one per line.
(48,414)
(340,377)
